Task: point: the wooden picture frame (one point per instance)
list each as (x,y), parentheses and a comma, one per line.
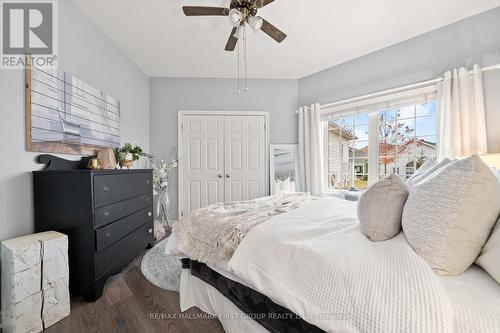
(67,115)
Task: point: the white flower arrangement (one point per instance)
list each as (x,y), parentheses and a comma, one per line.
(161,174)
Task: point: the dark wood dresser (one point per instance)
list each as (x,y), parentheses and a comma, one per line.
(107,216)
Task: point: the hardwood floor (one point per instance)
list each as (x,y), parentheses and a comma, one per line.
(130,303)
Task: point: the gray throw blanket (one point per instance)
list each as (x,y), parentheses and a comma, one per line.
(213,233)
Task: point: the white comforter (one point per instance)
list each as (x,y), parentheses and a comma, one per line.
(475,297)
(212,234)
(316,262)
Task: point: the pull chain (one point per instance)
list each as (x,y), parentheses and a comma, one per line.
(246,57)
(242,39)
(238,63)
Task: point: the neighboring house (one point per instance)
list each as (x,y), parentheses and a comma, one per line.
(411,156)
(404,159)
(338,154)
(360,161)
(346,163)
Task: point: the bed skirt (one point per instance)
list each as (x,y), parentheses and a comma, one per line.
(252,305)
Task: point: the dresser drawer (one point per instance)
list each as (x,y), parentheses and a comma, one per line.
(105,259)
(112,232)
(108,214)
(109,189)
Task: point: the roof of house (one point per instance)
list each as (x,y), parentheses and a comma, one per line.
(387,149)
(340,131)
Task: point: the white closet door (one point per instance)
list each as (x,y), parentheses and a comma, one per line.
(203,161)
(245,158)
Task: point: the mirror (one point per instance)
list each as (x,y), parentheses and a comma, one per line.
(284,168)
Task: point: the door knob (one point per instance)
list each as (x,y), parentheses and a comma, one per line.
(220,175)
(228,175)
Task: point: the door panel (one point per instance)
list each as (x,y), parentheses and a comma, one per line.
(254,155)
(203,169)
(213,192)
(236,155)
(245,153)
(253,189)
(195,195)
(195,157)
(225,160)
(213,162)
(235,190)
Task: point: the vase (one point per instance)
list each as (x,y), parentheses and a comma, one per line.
(127,164)
(163,209)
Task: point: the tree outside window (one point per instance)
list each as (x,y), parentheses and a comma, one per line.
(406,136)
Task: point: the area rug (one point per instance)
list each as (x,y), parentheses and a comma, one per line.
(160,269)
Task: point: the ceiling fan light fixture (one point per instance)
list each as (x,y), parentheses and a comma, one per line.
(235,17)
(255,23)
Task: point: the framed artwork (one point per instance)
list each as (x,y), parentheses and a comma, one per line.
(67,115)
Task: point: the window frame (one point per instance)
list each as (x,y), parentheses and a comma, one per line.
(374,142)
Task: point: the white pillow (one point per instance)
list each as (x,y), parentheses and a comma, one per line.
(380,208)
(427,172)
(286,185)
(449,215)
(278,186)
(428,163)
(489,259)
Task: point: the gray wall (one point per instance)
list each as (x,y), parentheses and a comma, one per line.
(91,56)
(473,40)
(167,96)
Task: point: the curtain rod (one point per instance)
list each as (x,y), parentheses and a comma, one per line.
(393,90)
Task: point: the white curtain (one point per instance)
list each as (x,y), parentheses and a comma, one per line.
(461,114)
(311,150)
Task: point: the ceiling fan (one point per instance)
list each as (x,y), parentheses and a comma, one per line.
(240,12)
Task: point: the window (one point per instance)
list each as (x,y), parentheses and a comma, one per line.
(347,159)
(406,138)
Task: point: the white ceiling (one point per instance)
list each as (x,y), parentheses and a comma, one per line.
(157,36)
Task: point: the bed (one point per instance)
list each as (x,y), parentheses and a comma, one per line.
(314,263)
(476,308)
(239,307)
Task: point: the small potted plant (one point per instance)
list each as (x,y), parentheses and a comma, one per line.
(127,154)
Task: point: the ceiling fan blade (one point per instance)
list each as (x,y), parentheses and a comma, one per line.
(205,11)
(232,41)
(272,31)
(263,3)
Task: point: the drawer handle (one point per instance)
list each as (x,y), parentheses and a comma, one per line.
(150,231)
(147,181)
(106,213)
(106,189)
(108,234)
(150,214)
